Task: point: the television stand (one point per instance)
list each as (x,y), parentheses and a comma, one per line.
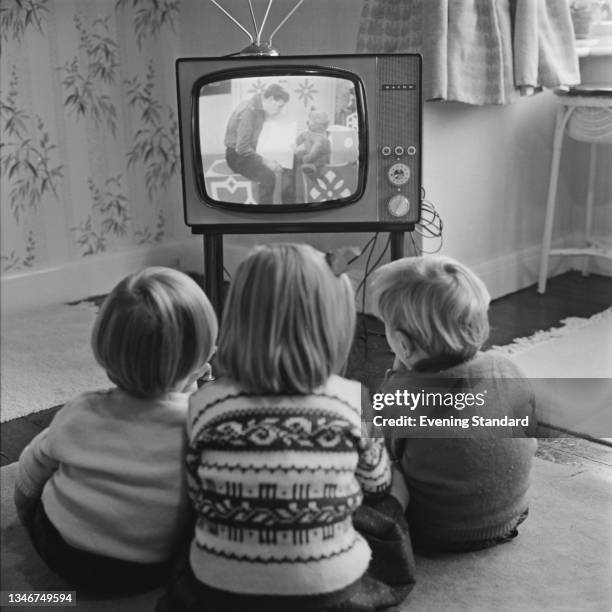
(213,264)
(213,270)
(396,245)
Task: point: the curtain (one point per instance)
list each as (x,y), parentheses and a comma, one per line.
(477,51)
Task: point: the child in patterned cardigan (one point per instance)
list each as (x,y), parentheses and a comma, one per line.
(102,491)
(277,463)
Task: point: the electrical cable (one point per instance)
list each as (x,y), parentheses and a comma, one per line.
(429,226)
(375,264)
(373,243)
(364,326)
(362,286)
(417,251)
(365,246)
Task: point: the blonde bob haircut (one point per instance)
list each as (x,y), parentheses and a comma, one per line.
(155,328)
(440,304)
(288,322)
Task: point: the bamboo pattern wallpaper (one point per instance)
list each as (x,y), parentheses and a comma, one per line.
(89,153)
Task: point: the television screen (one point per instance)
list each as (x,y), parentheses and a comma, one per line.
(290,140)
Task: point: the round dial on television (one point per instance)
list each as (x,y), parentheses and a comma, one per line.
(398,174)
(398,205)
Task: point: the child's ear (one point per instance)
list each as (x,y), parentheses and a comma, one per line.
(411,351)
(400,345)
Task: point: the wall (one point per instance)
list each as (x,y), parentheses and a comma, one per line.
(485,168)
(90,161)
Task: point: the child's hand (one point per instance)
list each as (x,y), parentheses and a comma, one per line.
(397,364)
(25,505)
(196,379)
(205,375)
(272,164)
(399,490)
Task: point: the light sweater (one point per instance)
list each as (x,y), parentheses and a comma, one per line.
(468,488)
(110,469)
(275,481)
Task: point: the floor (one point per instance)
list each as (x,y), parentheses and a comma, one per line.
(516,315)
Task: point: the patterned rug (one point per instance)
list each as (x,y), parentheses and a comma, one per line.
(570,368)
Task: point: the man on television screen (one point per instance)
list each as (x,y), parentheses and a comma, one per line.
(242,135)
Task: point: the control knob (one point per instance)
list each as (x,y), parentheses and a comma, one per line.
(398,174)
(398,205)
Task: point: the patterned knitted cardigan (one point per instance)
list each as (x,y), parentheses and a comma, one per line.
(274,481)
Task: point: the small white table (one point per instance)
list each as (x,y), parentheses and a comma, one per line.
(585,114)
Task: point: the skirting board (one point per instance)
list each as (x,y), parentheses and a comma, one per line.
(96,275)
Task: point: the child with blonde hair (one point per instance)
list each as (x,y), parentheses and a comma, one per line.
(102,490)
(277,464)
(467,487)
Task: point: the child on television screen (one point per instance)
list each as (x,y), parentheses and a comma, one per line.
(277,465)
(102,491)
(467,487)
(313,148)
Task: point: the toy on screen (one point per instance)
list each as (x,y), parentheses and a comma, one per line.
(313,148)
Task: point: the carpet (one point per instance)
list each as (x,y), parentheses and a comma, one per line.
(46,358)
(561,561)
(570,368)
(23,571)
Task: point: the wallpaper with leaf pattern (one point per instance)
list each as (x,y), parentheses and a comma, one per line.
(89,154)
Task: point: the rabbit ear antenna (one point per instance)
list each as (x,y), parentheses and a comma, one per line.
(263,22)
(254,22)
(257,47)
(282,23)
(232,18)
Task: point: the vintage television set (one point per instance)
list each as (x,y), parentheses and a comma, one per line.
(363,112)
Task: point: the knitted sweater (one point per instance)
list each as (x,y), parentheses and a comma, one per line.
(110,469)
(475,487)
(275,481)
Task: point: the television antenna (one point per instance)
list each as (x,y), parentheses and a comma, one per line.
(257,46)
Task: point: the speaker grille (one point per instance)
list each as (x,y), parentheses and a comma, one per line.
(399,134)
